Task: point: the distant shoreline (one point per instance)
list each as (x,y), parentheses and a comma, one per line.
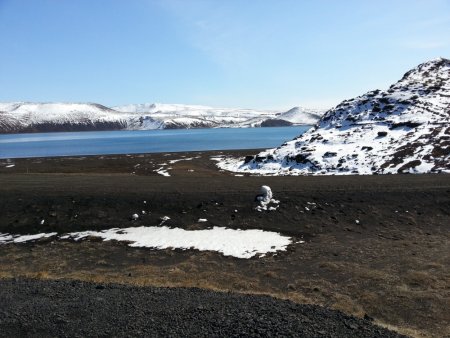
(87,129)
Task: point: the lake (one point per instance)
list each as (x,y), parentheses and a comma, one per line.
(143,141)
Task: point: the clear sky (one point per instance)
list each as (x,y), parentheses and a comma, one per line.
(229,53)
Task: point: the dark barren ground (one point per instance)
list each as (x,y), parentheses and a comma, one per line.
(393,265)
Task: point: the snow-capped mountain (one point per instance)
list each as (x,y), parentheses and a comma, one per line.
(175,116)
(300,115)
(194,116)
(19,117)
(405,129)
(23,117)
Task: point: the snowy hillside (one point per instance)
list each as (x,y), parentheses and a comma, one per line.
(172,116)
(40,117)
(19,117)
(405,129)
(175,116)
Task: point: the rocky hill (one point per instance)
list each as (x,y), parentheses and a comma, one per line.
(405,129)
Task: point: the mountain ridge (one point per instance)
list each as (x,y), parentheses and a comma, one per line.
(19,117)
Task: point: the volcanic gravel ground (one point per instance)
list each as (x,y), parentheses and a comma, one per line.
(69,308)
(373,245)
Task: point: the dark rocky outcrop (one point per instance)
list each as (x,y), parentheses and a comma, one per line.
(275,123)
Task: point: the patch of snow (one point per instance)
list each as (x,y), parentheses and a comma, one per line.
(183,159)
(217,158)
(202,220)
(7,238)
(229,242)
(162,171)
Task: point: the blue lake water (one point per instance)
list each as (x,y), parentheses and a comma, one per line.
(143,141)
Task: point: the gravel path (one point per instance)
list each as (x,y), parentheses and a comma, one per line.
(69,308)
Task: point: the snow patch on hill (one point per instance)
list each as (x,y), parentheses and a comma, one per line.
(405,129)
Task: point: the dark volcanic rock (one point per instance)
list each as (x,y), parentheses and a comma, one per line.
(275,123)
(70,308)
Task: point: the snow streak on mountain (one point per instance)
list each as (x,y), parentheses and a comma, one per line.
(21,117)
(405,129)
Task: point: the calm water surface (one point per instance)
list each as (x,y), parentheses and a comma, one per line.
(143,141)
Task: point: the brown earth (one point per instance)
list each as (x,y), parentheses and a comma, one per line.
(375,245)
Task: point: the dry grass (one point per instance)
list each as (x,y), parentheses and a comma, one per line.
(423,280)
(406,331)
(346,304)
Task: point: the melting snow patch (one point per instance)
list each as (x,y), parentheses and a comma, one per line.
(202,220)
(229,242)
(6,238)
(10,166)
(162,171)
(183,159)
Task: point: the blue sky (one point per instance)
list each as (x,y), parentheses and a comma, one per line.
(271,54)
